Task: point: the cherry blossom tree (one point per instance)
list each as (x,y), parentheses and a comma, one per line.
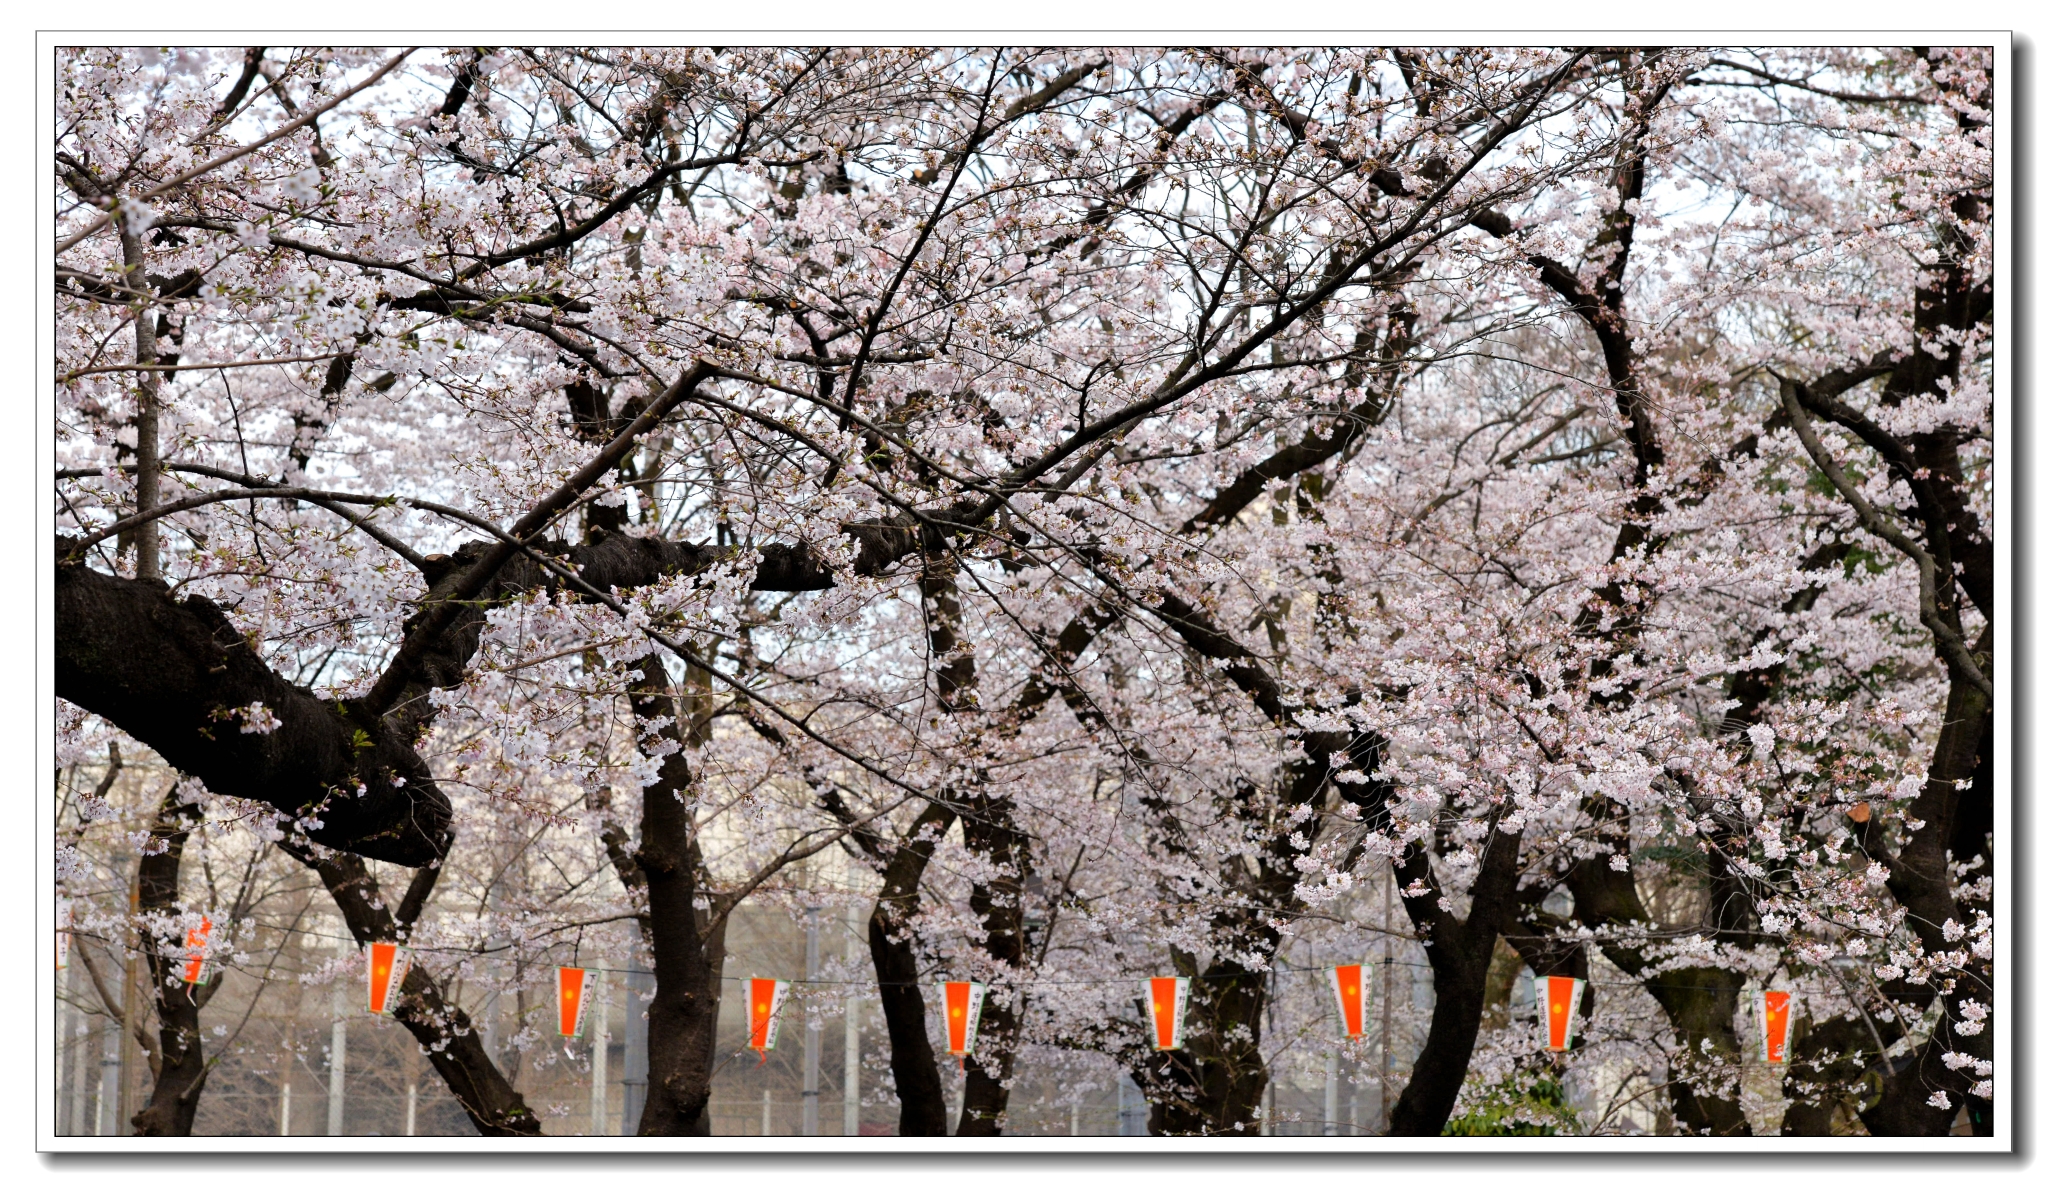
(1121,502)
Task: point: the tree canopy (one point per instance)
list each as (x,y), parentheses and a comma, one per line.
(1119,510)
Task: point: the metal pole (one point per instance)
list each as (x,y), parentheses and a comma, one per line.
(409,1071)
(82,1066)
(82,1104)
(85,1112)
(61,1123)
(127,1084)
(600,1055)
(813,1029)
(767,1111)
(1270,1122)
(852,1086)
(284,1103)
(1386,998)
(337,1067)
(1330,1069)
(636,1049)
(108,1123)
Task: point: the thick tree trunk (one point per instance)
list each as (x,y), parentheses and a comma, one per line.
(892,935)
(1236,1075)
(892,943)
(990,830)
(1439,1073)
(181,1061)
(682,1021)
(1459,952)
(1216,1085)
(1920,881)
(1701,1004)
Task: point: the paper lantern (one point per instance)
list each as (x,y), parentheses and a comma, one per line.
(963,1016)
(195,952)
(1774,1020)
(572,996)
(764,1013)
(388,966)
(63,933)
(1349,983)
(1169,1012)
(1561,1009)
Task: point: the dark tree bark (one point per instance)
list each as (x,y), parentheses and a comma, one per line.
(1459,952)
(988,826)
(172,673)
(892,943)
(689,956)
(1920,880)
(181,1068)
(175,673)
(990,829)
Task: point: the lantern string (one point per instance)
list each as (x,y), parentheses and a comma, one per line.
(459,956)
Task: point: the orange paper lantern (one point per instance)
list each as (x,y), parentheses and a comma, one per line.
(764,1013)
(571,999)
(1169,1012)
(388,966)
(1349,983)
(963,1016)
(195,952)
(1774,1020)
(1561,1009)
